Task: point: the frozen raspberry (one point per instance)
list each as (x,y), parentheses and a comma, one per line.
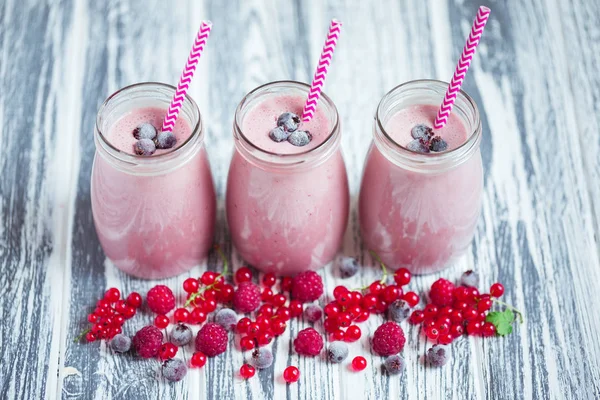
(211,339)
(441,292)
(147,341)
(307,286)
(174,369)
(160,299)
(388,339)
(308,342)
(246,297)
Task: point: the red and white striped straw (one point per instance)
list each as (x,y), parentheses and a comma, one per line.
(319,79)
(461,68)
(186,76)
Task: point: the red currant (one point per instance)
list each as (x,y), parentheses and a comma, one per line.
(359,363)
(488,329)
(352,334)
(167,351)
(286,284)
(444,319)
(208,278)
(190,285)
(355,312)
(461,293)
(446,311)
(198,316)
(344,320)
(356,298)
(198,360)
(134,300)
(284,313)
(484,305)
(443,328)
(118,320)
(375,287)
(429,323)
(266,310)
(431,311)
(497,290)
(339,291)
(90,337)
(278,326)
(331,310)
(246,343)
(225,295)
(456,316)
(161,321)
(330,325)
(369,301)
(411,298)
(432,333)
(391,293)
(93,318)
(210,294)
(264,338)
(266,295)
(253,329)
(345,299)
(364,315)
(470,314)
(457,330)
(446,338)
(291,374)
(112,295)
(210,305)
(474,328)
(278,300)
(263,323)
(247,371)
(473,294)
(120,306)
(181,315)
(417,317)
(243,324)
(243,275)
(338,335)
(402,277)
(129,312)
(269,279)
(295,308)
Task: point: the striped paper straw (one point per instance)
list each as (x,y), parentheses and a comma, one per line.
(461,68)
(186,77)
(319,79)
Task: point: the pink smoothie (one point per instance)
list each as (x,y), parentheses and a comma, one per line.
(153,225)
(418,220)
(286,220)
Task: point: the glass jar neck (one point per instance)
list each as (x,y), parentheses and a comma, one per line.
(141,95)
(421,92)
(288,162)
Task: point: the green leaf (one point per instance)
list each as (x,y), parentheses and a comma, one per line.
(502,320)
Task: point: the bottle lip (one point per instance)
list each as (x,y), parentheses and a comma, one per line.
(155,90)
(264,157)
(432,161)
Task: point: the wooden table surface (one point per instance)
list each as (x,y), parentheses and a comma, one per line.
(534,77)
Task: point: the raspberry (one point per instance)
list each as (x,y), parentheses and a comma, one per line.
(388,339)
(147,341)
(308,342)
(441,292)
(211,339)
(307,287)
(160,299)
(247,297)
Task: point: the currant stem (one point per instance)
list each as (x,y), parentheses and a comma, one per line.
(510,308)
(383,268)
(78,338)
(223,274)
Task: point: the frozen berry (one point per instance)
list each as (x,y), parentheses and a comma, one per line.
(247,297)
(308,342)
(144,131)
(300,138)
(160,299)
(174,369)
(421,131)
(313,313)
(394,365)
(359,363)
(398,311)
(120,343)
(348,266)
(438,144)
(144,147)
(441,292)
(181,335)
(288,121)
(211,339)
(262,358)
(388,339)
(417,146)
(198,359)
(337,352)
(278,134)
(438,355)
(291,374)
(307,287)
(165,140)
(247,371)
(147,341)
(470,279)
(227,318)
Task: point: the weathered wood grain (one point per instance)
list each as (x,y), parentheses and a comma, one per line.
(534,79)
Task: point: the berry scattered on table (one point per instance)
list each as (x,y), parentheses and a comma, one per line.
(174,369)
(161,321)
(438,355)
(246,297)
(120,343)
(359,363)
(247,371)
(181,335)
(291,374)
(313,313)
(160,299)
(337,352)
(388,339)
(308,342)
(167,350)
(147,341)
(469,278)
(348,266)
(227,318)
(398,311)
(198,359)
(261,358)
(307,286)
(441,293)
(211,339)
(394,364)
